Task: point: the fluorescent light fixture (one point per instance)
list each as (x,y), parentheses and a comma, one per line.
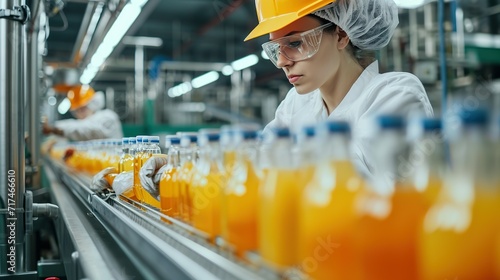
(143,41)
(411,4)
(91,28)
(205,79)
(64,106)
(126,18)
(245,62)
(263,54)
(227,70)
(180,89)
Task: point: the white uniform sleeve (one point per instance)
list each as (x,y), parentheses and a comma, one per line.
(402,95)
(102,124)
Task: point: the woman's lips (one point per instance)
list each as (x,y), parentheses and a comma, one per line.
(293,78)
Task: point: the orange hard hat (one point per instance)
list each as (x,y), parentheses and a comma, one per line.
(276,14)
(80,96)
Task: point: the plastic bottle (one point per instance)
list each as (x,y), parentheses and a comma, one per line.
(206,184)
(461,229)
(150,147)
(169,192)
(241,192)
(126,160)
(327,216)
(391,209)
(137,166)
(278,196)
(187,157)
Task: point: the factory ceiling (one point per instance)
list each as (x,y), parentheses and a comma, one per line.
(190,30)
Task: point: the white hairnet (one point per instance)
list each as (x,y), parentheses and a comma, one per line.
(97,102)
(369,24)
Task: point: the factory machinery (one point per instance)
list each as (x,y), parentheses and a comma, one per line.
(106,237)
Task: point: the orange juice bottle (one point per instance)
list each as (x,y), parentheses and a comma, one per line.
(278,195)
(461,231)
(326,211)
(427,159)
(187,157)
(169,193)
(137,166)
(150,148)
(390,209)
(126,162)
(241,192)
(206,184)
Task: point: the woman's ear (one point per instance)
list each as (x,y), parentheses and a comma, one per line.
(343,40)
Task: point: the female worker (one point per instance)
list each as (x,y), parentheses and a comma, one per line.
(324,49)
(92,122)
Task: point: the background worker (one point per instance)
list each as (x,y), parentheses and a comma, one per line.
(326,49)
(92,121)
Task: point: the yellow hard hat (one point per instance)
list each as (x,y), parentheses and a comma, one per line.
(80,96)
(276,14)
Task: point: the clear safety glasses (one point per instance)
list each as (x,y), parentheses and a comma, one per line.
(295,47)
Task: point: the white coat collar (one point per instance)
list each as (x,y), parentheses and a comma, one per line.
(353,94)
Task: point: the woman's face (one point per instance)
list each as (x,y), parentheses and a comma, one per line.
(312,73)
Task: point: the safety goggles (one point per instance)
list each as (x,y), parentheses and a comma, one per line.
(295,47)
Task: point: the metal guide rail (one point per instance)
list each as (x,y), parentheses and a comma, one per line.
(161,250)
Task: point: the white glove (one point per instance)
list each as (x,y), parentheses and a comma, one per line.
(123,182)
(99,182)
(148,172)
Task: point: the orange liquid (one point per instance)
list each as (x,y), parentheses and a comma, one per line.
(137,181)
(206,195)
(183,181)
(326,223)
(241,197)
(278,195)
(388,246)
(466,248)
(146,196)
(169,194)
(126,163)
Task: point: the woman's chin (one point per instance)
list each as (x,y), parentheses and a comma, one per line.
(301,89)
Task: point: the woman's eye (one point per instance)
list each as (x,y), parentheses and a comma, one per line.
(294,44)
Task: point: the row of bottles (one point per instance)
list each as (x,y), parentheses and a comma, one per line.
(425,211)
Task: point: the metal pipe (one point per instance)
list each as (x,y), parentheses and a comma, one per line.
(34,100)
(12,91)
(139,81)
(430,43)
(442,57)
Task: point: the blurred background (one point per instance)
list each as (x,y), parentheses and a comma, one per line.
(148,76)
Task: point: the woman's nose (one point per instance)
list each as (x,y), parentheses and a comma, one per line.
(283,61)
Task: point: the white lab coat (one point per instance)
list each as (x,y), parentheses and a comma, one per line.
(372,94)
(102,124)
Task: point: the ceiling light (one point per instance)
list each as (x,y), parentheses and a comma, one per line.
(114,35)
(227,70)
(180,89)
(64,106)
(205,79)
(245,62)
(410,4)
(91,29)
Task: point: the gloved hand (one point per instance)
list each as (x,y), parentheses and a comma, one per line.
(100,180)
(123,182)
(149,171)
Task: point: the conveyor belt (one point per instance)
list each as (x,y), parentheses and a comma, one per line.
(158,250)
